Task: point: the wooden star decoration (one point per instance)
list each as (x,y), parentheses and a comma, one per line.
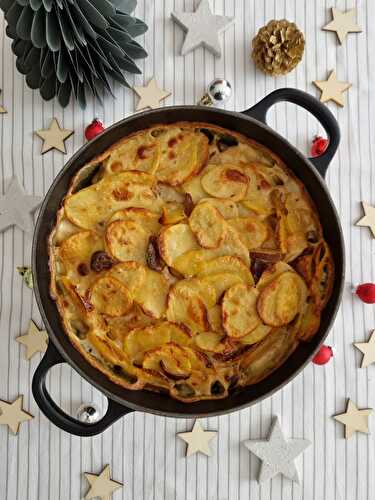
(2,110)
(12,414)
(54,137)
(150,95)
(354,419)
(197,440)
(368,349)
(332,89)
(369,218)
(16,207)
(35,340)
(202,28)
(277,454)
(101,486)
(343,23)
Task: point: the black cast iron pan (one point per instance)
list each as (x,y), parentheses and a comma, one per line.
(251,123)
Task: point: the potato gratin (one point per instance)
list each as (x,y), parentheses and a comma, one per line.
(188,259)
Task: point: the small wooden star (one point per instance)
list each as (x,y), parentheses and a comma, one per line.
(354,419)
(343,23)
(102,485)
(332,89)
(277,454)
(368,349)
(197,440)
(369,218)
(2,110)
(54,137)
(35,340)
(151,95)
(12,415)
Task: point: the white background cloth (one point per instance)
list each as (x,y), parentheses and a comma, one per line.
(43,463)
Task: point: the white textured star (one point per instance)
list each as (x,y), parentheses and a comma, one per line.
(202,28)
(277,454)
(197,440)
(16,207)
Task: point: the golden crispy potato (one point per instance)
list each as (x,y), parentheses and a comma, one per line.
(209,341)
(110,296)
(148,220)
(225,181)
(152,296)
(131,274)
(251,231)
(239,309)
(204,290)
(222,281)
(185,306)
(208,225)
(271,273)
(175,241)
(256,335)
(193,186)
(282,299)
(127,241)
(226,264)
(173,361)
(173,213)
(137,153)
(227,208)
(214,319)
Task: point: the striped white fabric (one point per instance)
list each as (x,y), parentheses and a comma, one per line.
(42,463)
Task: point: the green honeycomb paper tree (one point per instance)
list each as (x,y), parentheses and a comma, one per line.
(77,47)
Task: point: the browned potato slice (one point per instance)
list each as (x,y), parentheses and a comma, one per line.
(208,225)
(186,307)
(209,341)
(282,299)
(173,212)
(175,241)
(214,319)
(109,296)
(227,208)
(172,360)
(193,186)
(225,181)
(148,220)
(271,273)
(152,296)
(137,153)
(251,230)
(131,274)
(226,264)
(222,281)
(202,288)
(240,316)
(256,335)
(126,240)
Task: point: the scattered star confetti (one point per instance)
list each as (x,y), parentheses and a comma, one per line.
(369,218)
(54,137)
(332,89)
(12,414)
(197,440)
(277,454)
(16,207)
(354,419)
(368,349)
(202,28)
(35,340)
(102,486)
(151,95)
(343,23)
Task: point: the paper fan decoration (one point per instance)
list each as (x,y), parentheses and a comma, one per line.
(74,46)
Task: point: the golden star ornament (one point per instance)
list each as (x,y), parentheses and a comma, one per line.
(355,420)
(197,440)
(343,23)
(54,137)
(368,350)
(101,486)
(12,414)
(35,340)
(150,95)
(332,89)
(369,218)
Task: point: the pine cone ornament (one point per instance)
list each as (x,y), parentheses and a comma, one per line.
(79,46)
(278,47)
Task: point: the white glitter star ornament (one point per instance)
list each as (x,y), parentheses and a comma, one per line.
(277,454)
(16,207)
(202,28)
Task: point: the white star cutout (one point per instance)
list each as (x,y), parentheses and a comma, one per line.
(202,28)
(35,340)
(102,485)
(369,219)
(343,23)
(16,207)
(151,95)
(277,454)
(197,440)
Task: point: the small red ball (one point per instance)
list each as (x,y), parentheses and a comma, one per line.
(366,292)
(95,128)
(324,354)
(319,145)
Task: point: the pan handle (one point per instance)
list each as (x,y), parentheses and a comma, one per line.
(55,414)
(315,107)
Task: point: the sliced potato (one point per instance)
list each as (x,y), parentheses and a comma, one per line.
(256,335)
(186,307)
(148,220)
(208,225)
(282,299)
(214,319)
(226,264)
(193,186)
(137,153)
(204,290)
(131,274)
(126,240)
(227,208)
(173,361)
(173,213)
(239,309)
(251,230)
(222,281)
(271,273)
(175,241)
(225,181)
(110,296)
(152,296)
(209,341)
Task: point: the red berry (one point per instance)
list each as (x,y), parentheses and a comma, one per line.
(95,128)
(319,145)
(323,355)
(366,293)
